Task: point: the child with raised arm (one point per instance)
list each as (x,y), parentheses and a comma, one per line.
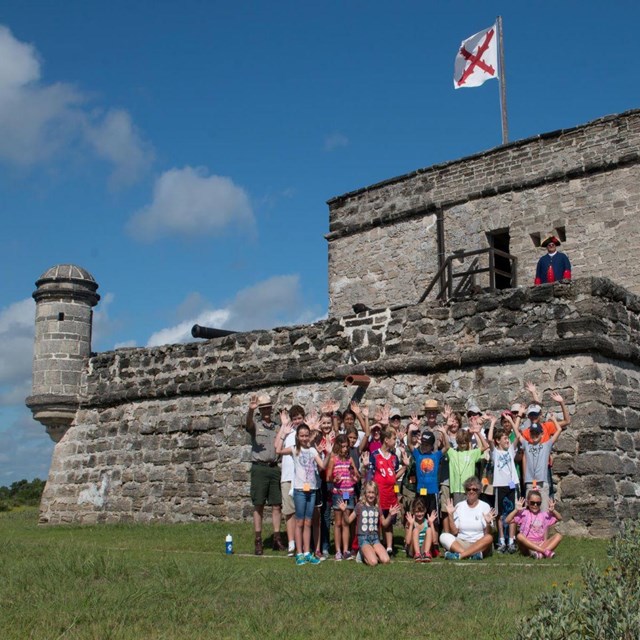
(294,417)
(343,474)
(422,530)
(505,483)
(427,456)
(369,519)
(387,472)
(533,538)
(306,462)
(534,417)
(536,457)
(463,460)
(453,424)
(323,443)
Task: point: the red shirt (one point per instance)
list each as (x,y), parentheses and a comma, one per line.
(384,475)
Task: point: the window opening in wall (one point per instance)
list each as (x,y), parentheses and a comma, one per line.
(536,239)
(61,316)
(561,233)
(499,239)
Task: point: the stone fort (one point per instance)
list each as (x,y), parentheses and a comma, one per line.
(430,295)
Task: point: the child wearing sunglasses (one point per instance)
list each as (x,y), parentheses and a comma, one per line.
(533,538)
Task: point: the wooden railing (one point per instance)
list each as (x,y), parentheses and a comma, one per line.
(466,277)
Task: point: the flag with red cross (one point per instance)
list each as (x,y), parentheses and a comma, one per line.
(477,59)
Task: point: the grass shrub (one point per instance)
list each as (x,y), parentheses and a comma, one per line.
(169,582)
(603,606)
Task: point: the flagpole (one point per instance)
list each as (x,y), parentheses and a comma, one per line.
(503,84)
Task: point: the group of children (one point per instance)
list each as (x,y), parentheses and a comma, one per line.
(369,478)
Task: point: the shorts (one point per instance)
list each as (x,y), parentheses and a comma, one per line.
(505,500)
(447,540)
(337,497)
(368,538)
(288,507)
(433,503)
(385,513)
(304,501)
(265,485)
(445,496)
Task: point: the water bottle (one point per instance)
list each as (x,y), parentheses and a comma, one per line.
(228,544)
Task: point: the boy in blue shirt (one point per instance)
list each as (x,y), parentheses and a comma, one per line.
(427,463)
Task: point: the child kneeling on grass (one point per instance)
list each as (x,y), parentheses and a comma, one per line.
(367,514)
(421,530)
(534,526)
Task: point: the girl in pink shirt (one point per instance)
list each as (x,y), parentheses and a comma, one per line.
(533,538)
(343,474)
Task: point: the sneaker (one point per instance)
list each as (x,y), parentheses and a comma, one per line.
(359,557)
(259,550)
(311,559)
(535,554)
(549,554)
(325,554)
(300,559)
(502,548)
(512,548)
(418,557)
(435,552)
(452,555)
(339,556)
(347,555)
(391,552)
(426,557)
(292,550)
(476,556)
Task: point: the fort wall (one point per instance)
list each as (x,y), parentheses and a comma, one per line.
(158,434)
(582,184)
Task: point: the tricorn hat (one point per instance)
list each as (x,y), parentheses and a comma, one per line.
(549,240)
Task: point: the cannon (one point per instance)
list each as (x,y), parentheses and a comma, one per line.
(209,332)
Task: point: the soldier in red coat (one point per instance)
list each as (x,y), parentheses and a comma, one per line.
(554,266)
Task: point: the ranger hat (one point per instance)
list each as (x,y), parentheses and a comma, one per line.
(264,400)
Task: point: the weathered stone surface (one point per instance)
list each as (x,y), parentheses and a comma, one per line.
(156,433)
(579,180)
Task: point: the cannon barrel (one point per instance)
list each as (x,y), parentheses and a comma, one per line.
(209,332)
(357,380)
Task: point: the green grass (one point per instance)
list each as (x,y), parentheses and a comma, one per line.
(175,581)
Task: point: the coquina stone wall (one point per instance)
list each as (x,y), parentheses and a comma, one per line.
(582,182)
(158,436)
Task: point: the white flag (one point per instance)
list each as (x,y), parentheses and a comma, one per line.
(477,59)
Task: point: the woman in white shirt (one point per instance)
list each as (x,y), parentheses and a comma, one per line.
(470,524)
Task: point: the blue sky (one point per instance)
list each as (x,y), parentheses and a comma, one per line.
(183,152)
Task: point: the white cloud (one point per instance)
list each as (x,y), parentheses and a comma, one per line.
(103,324)
(335,140)
(25,447)
(127,344)
(182,331)
(273,302)
(17,328)
(188,202)
(116,139)
(39,121)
